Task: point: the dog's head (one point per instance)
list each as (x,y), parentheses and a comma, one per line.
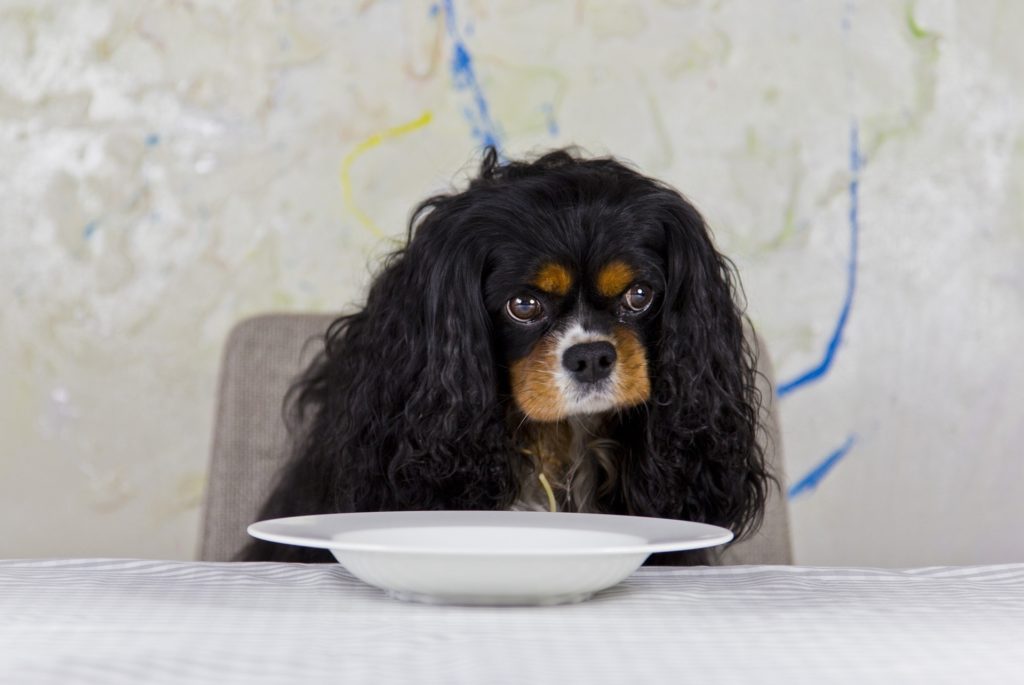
(586,273)
(546,290)
(575,294)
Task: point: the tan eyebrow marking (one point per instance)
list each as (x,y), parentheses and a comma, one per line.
(554,278)
(614,278)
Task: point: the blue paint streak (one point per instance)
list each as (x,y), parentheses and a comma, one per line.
(465,78)
(90,229)
(432,12)
(549,111)
(825,364)
(152,140)
(815,476)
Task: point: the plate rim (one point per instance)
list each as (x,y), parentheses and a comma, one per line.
(713,537)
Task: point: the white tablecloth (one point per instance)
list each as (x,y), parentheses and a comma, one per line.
(122,621)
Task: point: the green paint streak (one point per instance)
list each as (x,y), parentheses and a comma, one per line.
(789,227)
(915,29)
(886,127)
(753,144)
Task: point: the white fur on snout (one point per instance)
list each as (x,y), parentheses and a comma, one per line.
(583,398)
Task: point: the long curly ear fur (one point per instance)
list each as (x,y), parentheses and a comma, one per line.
(702,459)
(401,410)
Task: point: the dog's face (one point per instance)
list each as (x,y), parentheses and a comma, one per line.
(575,311)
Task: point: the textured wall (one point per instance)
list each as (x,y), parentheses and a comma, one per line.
(171,167)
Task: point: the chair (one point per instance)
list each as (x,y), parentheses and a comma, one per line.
(262,357)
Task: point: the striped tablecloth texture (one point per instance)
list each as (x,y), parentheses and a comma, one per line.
(130,621)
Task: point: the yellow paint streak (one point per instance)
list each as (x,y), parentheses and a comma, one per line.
(614,278)
(365,146)
(554,278)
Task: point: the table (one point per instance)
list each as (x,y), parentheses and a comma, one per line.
(133,621)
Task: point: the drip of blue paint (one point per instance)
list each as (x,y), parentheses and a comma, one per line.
(815,475)
(825,364)
(89,230)
(465,78)
(549,112)
(152,140)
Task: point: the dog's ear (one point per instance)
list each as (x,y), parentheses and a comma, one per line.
(702,460)
(402,409)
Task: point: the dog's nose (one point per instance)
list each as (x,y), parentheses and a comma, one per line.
(590,362)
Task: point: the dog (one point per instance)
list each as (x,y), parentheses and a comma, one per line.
(561,335)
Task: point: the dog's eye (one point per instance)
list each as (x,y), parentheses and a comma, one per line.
(637,298)
(524,309)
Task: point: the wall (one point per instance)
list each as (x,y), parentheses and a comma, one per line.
(173,167)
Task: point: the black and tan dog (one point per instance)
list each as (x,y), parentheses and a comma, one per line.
(563,335)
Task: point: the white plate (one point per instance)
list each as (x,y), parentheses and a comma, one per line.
(490,557)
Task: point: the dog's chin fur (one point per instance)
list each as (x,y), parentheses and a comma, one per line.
(584,465)
(432,397)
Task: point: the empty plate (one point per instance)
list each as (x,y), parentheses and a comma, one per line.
(490,557)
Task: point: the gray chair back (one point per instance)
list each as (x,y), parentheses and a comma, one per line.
(262,358)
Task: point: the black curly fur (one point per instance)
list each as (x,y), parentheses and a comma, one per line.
(408,406)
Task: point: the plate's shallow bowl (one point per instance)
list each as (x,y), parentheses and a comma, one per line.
(490,557)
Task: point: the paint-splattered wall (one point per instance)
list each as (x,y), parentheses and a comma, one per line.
(172,167)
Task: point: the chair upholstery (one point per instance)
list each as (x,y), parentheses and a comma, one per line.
(263,356)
